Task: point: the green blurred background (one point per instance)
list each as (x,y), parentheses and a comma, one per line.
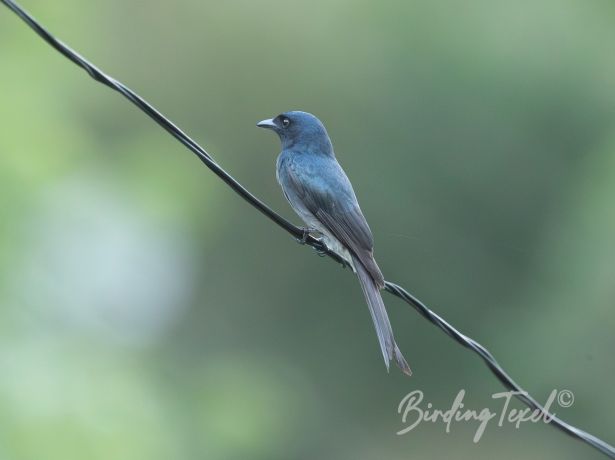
(146,312)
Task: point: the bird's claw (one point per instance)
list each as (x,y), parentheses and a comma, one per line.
(322,251)
(306,233)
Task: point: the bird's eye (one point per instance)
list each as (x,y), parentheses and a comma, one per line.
(285,122)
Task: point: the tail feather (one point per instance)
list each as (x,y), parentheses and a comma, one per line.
(389,348)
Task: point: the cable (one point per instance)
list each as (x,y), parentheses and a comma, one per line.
(297,232)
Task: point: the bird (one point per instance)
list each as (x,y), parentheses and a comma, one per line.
(319,191)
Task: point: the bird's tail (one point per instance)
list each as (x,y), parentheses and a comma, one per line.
(389,348)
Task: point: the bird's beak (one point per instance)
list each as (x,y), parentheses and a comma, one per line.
(269,124)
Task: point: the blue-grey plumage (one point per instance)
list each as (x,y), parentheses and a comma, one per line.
(319,191)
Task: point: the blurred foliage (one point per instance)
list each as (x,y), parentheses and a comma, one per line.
(148,313)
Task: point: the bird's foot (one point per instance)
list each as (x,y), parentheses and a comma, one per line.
(323,250)
(306,233)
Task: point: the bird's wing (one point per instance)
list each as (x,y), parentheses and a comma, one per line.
(331,199)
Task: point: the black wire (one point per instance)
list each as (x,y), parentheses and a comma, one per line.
(297,232)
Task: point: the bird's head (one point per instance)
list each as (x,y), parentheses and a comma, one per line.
(299,130)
